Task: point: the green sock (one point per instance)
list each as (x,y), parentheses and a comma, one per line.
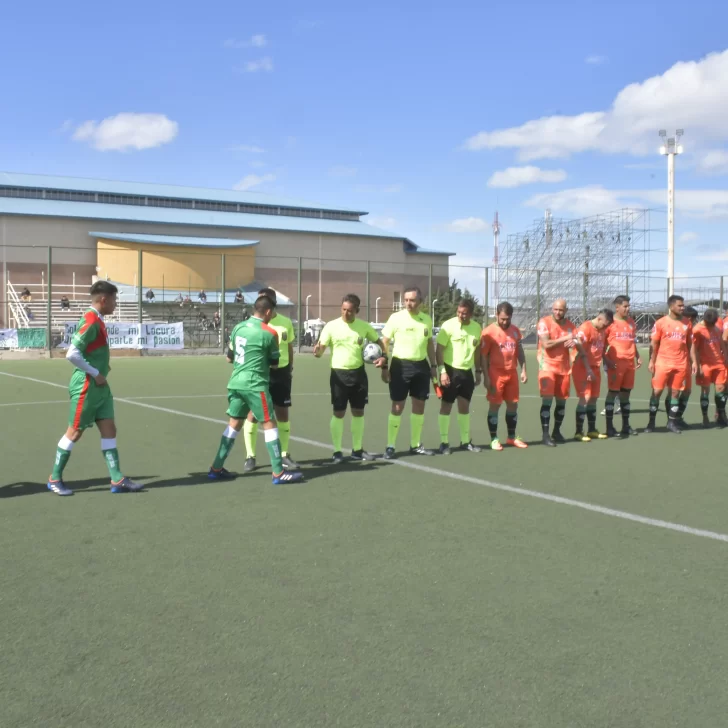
(674,411)
(393,424)
(337,432)
(226,445)
(464,423)
(111,455)
(416,424)
(250,435)
(444,422)
(273,446)
(284,433)
(357,433)
(63,454)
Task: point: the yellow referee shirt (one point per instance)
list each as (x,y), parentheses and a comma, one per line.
(347,341)
(459,343)
(411,334)
(284,328)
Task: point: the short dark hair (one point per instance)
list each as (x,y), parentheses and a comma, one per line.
(103,288)
(691,312)
(263,304)
(504,307)
(607,313)
(270,293)
(710,316)
(674,299)
(467,303)
(353,299)
(619,300)
(413,289)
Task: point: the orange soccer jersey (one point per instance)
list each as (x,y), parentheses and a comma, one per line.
(709,345)
(557,359)
(592,341)
(620,340)
(501,347)
(675,339)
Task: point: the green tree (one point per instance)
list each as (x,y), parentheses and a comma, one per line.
(446,303)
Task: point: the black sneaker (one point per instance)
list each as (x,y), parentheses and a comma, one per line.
(289,463)
(706,421)
(612,432)
(362,455)
(469,447)
(682,424)
(649,429)
(628,432)
(547,440)
(673,427)
(389,453)
(421,450)
(558,438)
(337,458)
(722,420)
(445,449)
(249,466)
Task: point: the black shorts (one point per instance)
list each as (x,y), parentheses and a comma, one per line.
(280,386)
(349,387)
(462,384)
(409,378)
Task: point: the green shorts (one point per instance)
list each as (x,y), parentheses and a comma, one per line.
(90,403)
(241,402)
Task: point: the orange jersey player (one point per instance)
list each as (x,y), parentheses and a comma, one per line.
(673,356)
(710,355)
(586,372)
(621,361)
(556,338)
(501,352)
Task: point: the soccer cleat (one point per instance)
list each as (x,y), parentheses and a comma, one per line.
(706,421)
(58,487)
(558,438)
(444,449)
(547,440)
(581,437)
(362,455)
(421,450)
(389,453)
(594,435)
(516,442)
(289,463)
(612,432)
(649,429)
(469,447)
(628,432)
(722,420)
(337,458)
(680,422)
(673,427)
(287,477)
(221,474)
(249,466)
(127,485)
(495,444)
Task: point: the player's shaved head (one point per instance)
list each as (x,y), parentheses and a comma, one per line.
(263,305)
(559,309)
(269,293)
(710,317)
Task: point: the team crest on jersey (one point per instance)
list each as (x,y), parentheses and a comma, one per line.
(284,336)
(360,341)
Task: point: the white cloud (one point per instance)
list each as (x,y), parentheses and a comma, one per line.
(256,41)
(714,161)
(262,64)
(342,171)
(468,225)
(254,180)
(595,60)
(691,94)
(258,164)
(248,149)
(517,176)
(127,131)
(388,223)
(688,237)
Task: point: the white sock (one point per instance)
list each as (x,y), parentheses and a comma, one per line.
(108,444)
(65,444)
(230,432)
(271,435)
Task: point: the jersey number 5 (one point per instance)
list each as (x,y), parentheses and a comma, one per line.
(240,343)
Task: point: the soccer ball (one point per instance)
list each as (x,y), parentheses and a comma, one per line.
(371,353)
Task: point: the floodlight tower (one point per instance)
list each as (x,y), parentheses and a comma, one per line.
(671,147)
(496,260)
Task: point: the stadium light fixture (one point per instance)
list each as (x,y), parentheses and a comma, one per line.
(376,309)
(670,148)
(307,298)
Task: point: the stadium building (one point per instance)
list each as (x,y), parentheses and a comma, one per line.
(103,228)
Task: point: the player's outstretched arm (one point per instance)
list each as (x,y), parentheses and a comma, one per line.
(522,362)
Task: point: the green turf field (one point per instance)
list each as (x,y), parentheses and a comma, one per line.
(374,595)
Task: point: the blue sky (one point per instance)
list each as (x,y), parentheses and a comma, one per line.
(412,111)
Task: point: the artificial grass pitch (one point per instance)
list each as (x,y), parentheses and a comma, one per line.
(373,595)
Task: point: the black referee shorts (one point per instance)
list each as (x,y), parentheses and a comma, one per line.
(349,387)
(409,378)
(281,381)
(462,384)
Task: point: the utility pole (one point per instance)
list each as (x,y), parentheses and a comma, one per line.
(496,261)
(670,148)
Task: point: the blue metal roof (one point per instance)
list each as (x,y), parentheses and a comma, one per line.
(176,240)
(175,216)
(427,251)
(80,184)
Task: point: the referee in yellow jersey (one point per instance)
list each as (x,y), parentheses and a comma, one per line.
(412,369)
(457,351)
(347,336)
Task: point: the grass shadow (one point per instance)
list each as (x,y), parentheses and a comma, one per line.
(91,485)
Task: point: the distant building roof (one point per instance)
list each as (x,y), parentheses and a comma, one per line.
(80,184)
(176,240)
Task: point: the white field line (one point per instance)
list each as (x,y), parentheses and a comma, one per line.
(613,513)
(25,404)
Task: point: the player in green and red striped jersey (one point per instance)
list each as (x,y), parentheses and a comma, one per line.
(91,398)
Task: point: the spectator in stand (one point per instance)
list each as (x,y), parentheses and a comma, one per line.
(202,297)
(150,295)
(216,321)
(25,295)
(187,301)
(239,297)
(204,322)
(28,313)
(65,303)
(180,300)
